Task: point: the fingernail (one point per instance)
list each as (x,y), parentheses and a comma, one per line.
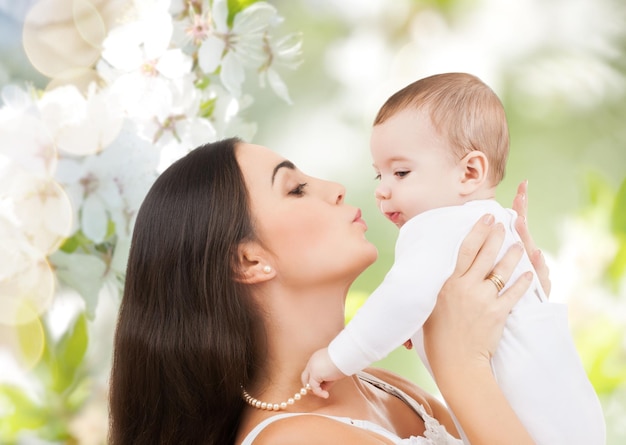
(488,219)
(528,276)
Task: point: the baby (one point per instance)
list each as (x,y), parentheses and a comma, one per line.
(439,148)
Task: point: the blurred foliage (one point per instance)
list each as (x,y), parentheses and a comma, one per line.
(553,144)
(599,343)
(61,386)
(600,338)
(608,204)
(617,270)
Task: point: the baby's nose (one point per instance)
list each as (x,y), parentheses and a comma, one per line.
(382,192)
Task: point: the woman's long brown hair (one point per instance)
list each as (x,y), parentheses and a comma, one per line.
(188,333)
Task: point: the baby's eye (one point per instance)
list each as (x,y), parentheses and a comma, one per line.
(377,177)
(402,173)
(299,190)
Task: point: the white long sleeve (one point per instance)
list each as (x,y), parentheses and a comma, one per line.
(536,363)
(404,300)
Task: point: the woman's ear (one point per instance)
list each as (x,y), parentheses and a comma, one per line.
(254,265)
(474,171)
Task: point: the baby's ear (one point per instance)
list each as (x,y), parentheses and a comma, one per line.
(254,265)
(474,171)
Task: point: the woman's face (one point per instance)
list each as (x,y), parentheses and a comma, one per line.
(313,236)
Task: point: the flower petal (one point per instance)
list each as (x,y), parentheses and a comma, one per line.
(94,219)
(174,63)
(121,47)
(157,33)
(232,74)
(255,18)
(278,85)
(210,53)
(220,15)
(82,272)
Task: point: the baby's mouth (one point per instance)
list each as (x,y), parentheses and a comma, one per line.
(394,217)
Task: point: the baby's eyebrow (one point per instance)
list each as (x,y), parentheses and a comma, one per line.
(285,164)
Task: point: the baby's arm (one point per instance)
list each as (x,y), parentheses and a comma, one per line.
(396,310)
(320,373)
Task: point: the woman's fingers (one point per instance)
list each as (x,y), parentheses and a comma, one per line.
(520,202)
(543,272)
(514,293)
(520,205)
(486,256)
(505,267)
(469,316)
(473,243)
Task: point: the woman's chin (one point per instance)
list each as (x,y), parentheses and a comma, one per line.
(368,258)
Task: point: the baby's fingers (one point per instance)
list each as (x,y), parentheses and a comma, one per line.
(316,388)
(312,385)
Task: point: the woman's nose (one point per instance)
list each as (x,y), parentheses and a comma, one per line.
(333,191)
(340,193)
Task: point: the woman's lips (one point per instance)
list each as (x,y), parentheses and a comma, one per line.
(357,219)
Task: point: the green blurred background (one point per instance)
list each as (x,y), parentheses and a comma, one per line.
(560,69)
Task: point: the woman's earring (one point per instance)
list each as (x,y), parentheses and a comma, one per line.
(267,269)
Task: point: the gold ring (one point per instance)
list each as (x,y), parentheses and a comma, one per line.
(497,280)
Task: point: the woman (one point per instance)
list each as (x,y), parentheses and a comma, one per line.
(238,270)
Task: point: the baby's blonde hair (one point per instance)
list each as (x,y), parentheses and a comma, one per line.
(464,110)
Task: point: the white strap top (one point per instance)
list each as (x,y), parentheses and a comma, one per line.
(435,433)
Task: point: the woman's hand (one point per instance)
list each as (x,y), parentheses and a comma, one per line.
(463,331)
(520,205)
(468,319)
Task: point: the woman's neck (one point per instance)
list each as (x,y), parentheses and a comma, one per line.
(297,324)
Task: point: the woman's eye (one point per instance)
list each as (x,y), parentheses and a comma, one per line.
(402,174)
(299,190)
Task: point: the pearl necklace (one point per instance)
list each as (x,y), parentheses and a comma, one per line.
(255,403)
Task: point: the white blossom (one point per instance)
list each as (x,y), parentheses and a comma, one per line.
(26,279)
(81,125)
(24,138)
(75,164)
(110,185)
(286,53)
(233,49)
(142,64)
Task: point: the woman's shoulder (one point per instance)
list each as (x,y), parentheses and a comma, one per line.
(431,404)
(313,429)
(417,393)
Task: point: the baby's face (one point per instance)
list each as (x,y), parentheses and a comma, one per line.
(415,167)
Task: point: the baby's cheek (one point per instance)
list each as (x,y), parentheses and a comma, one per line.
(381,206)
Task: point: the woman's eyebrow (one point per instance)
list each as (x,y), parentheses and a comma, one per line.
(286,164)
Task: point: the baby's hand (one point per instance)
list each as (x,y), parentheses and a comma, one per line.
(320,373)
